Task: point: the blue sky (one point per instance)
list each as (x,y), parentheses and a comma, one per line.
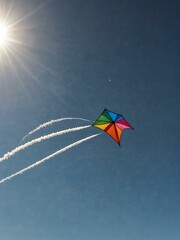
(80,57)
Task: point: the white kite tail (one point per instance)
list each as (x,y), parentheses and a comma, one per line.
(50,123)
(50,156)
(42,138)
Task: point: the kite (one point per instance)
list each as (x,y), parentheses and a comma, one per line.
(112,123)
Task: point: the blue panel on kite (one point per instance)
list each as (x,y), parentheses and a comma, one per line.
(112,115)
(119,117)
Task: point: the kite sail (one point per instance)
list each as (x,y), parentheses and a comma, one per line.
(112,123)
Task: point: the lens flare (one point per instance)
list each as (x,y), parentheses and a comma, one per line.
(3,34)
(21,38)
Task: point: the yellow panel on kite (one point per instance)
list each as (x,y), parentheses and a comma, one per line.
(102,126)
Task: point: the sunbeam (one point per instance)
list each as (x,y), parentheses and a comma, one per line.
(3,34)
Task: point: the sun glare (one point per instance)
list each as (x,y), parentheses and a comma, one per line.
(18,41)
(3,34)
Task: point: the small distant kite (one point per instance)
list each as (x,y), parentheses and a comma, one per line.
(112,123)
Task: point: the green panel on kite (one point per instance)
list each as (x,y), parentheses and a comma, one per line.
(105,113)
(104,119)
(97,122)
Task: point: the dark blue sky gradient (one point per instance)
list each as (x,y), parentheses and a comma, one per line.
(84,56)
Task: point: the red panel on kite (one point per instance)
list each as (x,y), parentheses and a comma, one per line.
(112,123)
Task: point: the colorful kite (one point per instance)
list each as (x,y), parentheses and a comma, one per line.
(112,123)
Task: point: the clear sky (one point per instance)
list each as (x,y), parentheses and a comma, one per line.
(73,59)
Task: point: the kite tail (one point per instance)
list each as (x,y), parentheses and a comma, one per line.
(50,123)
(42,138)
(48,157)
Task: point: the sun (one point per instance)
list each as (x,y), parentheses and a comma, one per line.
(3,34)
(20,36)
